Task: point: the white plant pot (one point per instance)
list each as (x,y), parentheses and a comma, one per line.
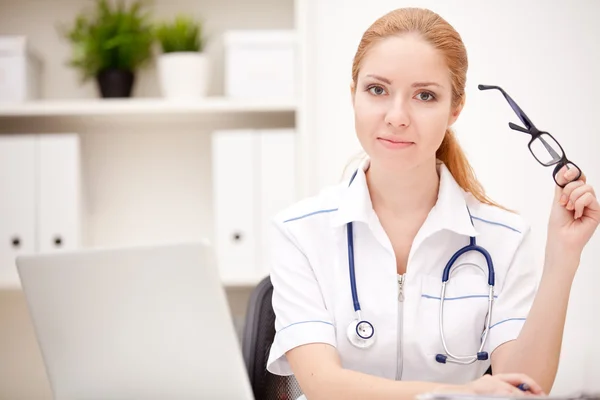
(183,75)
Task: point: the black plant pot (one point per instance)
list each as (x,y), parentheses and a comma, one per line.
(115,83)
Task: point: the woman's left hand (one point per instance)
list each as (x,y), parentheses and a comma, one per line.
(574,217)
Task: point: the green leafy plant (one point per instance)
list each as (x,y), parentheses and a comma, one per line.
(111,37)
(182,34)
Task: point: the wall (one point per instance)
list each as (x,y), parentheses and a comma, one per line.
(545,54)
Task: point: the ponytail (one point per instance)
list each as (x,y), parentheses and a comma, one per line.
(452,155)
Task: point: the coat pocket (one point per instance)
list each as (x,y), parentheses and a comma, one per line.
(465,310)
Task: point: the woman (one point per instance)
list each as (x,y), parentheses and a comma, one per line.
(410,206)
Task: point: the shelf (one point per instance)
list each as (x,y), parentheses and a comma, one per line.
(144,106)
(80,115)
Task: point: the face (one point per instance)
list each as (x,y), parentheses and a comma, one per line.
(402,102)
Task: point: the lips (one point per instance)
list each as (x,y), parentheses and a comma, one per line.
(395,141)
(394,144)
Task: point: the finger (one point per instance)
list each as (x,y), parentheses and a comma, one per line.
(515,392)
(506,388)
(560,175)
(582,202)
(577,193)
(526,389)
(566,175)
(568,190)
(518,379)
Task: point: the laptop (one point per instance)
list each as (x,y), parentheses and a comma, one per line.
(139,323)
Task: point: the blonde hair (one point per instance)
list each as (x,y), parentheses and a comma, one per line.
(439,33)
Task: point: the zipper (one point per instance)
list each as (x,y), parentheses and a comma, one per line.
(399,362)
(400,288)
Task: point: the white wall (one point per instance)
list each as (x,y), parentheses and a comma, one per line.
(545,54)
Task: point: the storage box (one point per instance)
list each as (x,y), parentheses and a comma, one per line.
(260,64)
(20,70)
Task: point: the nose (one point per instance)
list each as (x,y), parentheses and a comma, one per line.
(398,115)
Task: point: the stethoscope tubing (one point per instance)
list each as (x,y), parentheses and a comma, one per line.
(350,242)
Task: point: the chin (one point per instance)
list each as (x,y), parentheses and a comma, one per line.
(396,162)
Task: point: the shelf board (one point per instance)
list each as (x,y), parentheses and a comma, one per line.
(114,107)
(80,115)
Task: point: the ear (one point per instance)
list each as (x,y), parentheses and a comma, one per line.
(352,92)
(456,113)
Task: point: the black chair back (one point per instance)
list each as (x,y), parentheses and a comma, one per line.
(259,332)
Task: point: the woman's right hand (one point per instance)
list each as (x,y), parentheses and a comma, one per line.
(505,384)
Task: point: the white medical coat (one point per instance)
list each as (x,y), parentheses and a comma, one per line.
(313,301)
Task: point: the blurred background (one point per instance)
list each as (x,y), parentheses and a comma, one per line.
(170,120)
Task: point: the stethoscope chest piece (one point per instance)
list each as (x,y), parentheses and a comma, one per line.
(361,334)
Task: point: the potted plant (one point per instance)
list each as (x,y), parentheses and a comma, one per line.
(110,44)
(183,69)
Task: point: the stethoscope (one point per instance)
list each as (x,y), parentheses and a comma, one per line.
(361,333)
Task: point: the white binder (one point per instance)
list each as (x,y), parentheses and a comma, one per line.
(234,164)
(39,197)
(17,203)
(59,192)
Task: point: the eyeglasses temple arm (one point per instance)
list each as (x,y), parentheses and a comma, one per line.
(518,128)
(520,113)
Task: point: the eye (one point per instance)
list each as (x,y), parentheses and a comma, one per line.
(376,90)
(428,96)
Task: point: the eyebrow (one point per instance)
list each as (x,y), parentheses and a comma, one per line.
(425,84)
(415,85)
(379,78)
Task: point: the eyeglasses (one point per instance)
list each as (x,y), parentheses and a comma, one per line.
(546,150)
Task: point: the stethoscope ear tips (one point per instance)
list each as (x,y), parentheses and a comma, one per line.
(482,356)
(441,358)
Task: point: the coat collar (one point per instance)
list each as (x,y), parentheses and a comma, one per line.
(450,211)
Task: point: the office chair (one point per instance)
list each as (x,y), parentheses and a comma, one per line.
(258,335)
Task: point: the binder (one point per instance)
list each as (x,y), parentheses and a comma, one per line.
(59,192)
(253,179)
(234,164)
(17,203)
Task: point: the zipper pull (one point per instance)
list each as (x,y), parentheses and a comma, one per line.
(400,287)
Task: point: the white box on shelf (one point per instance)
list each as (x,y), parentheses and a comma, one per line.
(20,70)
(260,63)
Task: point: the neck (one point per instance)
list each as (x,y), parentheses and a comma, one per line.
(410,192)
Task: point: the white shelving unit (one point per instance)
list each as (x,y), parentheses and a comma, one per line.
(126,143)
